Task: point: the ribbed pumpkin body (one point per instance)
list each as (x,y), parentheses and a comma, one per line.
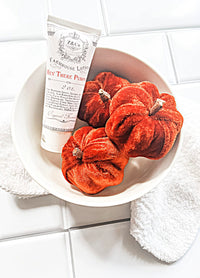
(143,121)
(91,161)
(97,95)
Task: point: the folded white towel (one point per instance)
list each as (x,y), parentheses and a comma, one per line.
(13,177)
(166,220)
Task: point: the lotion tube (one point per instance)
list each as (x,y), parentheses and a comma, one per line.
(70,51)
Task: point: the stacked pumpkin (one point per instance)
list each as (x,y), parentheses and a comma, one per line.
(125,120)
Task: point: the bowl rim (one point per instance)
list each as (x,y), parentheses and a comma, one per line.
(83,201)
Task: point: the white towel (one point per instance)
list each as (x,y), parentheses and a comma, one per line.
(166,220)
(13,177)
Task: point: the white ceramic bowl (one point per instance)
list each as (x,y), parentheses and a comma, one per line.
(141,174)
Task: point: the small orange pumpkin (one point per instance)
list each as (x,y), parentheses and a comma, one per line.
(91,161)
(97,95)
(144,121)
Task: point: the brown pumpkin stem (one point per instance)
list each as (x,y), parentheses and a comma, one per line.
(156,107)
(105,96)
(78,153)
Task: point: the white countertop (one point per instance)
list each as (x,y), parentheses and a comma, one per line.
(47,237)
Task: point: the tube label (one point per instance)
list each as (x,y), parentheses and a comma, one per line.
(70,52)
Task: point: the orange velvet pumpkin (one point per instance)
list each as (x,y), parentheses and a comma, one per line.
(144,121)
(97,95)
(91,161)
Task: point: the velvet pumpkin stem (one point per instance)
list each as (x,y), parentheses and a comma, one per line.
(105,96)
(156,107)
(78,153)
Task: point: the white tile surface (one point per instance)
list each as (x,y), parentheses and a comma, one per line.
(127,16)
(104,250)
(80,215)
(23,19)
(41,256)
(28,216)
(151,48)
(109,251)
(185,47)
(87,12)
(18,61)
(189,90)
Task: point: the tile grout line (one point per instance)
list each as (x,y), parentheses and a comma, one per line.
(105,21)
(99,224)
(104,16)
(154,31)
(21,40)
(31,235)
(188,82)
(25,236)
(63,210)
(71,255)
(172,58)
(7,100)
